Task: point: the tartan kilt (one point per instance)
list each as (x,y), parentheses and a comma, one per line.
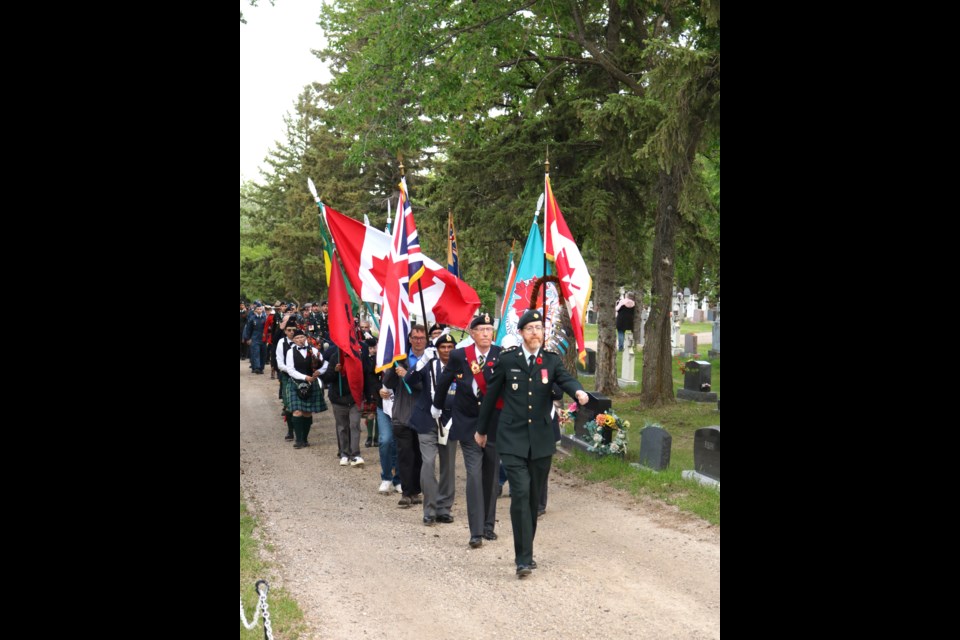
(284,378)
(293,402)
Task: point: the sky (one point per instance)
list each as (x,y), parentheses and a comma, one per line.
(275,64)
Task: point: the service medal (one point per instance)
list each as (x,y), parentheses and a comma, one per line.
(474,367)
(543,376)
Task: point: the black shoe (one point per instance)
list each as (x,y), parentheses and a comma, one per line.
(298,445)
(429,521)
(368,443)
(376,442)
(541,512)
(523,570)
(417,499)
(499,490)
(445,518)
(533,564)
(489,535)
(289,436)
(476,542)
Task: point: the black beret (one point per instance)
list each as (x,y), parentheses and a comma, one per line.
(371,342)
(445,339)
(531,315)
(482,319)
(298,332)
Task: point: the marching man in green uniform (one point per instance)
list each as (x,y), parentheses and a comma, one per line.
(524,377)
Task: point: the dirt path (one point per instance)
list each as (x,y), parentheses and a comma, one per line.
(360,567)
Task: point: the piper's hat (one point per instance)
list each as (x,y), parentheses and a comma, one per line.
(482,319)
(298,332)
(531,315)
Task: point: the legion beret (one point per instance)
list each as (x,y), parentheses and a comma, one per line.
(445,339)
(482,319)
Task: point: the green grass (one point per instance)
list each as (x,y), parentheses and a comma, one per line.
(285,615)
(680,420)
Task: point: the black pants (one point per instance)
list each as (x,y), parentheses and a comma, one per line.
(526,477)
(409,458)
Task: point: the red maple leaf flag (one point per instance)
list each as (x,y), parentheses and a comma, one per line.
(365,252)
(575,281)
(343,334)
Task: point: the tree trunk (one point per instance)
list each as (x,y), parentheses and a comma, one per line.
(606,302)
(638,313)
(697,273)
(657,381)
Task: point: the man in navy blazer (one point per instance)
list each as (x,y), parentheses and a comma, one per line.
(437,498)
(471,368)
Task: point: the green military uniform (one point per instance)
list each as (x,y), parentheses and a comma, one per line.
(525,438)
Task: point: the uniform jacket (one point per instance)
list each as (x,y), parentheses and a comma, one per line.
(525,426)
(420,419)
(466,403)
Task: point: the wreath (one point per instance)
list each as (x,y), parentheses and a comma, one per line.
(607,435)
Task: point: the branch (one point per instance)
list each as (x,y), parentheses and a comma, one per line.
(480,25)
(601,58)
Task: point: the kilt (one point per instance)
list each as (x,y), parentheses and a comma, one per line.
(293,402)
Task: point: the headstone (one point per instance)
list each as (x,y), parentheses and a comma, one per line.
(655,448)
(706,451)
(698,315)
(585,413)
(627,376)
(644,314)
(691,305)
(697,382)
(675,335)
(590,367)
(711,315)
(690,344)
(704,305)
(715,347)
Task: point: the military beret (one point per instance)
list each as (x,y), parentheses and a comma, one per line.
(298,332)
(482,319)
(531,315)
(445,339)
(436,327)
(371,342)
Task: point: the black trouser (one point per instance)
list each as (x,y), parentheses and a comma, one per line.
(409,458)
(525,477)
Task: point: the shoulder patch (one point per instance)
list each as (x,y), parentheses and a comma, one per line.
(509,349)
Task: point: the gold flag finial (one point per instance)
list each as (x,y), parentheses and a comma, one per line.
(546,163)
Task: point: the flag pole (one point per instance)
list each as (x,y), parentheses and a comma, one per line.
(423,306)
(546,173)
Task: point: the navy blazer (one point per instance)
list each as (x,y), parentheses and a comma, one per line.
(420,420)
(466,405)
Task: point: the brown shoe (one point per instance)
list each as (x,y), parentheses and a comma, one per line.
(405,502)
(417,499)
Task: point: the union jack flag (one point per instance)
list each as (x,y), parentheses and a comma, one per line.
(406,241)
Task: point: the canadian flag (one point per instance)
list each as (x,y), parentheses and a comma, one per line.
(365,253)
(575,281)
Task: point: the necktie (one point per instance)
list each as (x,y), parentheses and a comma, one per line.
(480,360)
(530,360)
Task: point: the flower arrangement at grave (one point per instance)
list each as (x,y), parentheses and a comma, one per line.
(567,415)
(607,434)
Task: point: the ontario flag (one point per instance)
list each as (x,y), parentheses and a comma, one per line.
(343,334)
(365,253)
(575,281)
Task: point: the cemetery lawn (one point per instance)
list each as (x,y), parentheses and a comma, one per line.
(590,331)
(285,615)
(680,420)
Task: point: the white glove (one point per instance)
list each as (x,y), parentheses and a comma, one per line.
(428,354)
(436,413)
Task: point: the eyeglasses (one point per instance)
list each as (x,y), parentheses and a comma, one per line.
(530,328)
(418,337)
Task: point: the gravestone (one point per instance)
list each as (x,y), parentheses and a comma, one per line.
(691,305)
(698,315)
(711,315)
(705,305)
(626,368)
(585,413)
(706,451)
(590,368)
(655,448)
(690,344)
(715,347)
(644,314)
(697,381)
